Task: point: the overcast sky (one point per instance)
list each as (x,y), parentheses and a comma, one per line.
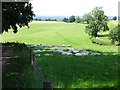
(73,7)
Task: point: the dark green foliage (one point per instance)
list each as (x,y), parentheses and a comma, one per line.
(78,19)
(19,72)
(96,21)
(65,19)
(16,13)
(114,18)
(49,19)
(72,19)
(86,17)
(114,35)
(100,42)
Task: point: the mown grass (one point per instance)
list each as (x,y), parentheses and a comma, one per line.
(80,72)
(57,33)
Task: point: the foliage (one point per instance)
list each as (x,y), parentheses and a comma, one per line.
(114,35)
(65,19)
(100,41)
(19,70)
(50,19)
(16,13)
(86,17)
(72,19)
(78,19)
(114,18)
(96,21)
(36,19)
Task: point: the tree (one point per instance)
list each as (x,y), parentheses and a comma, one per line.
(87,17)
(65,19)
(72,19)
(114,18)
(78,19)
(97,21)
(16,13)
(36,19)
(114,35)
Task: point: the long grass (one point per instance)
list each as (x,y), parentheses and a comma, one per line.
(80,72)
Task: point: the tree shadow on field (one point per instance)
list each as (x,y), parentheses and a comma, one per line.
(86,71)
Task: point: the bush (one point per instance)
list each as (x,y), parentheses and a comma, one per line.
(114,35)
(100,42)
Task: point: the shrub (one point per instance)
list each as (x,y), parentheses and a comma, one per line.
(114,35)
(100,41)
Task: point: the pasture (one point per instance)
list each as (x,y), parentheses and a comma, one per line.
(47,32)
(71,71)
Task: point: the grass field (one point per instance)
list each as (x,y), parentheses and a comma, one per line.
(71,71)
(80,72)
(57,33)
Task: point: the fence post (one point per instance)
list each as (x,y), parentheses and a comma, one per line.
(47,85)
(33,59)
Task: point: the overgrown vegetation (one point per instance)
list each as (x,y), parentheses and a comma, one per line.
(80,72)
(19,72)
(101,41)
(114,35)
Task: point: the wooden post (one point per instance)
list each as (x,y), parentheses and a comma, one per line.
(33,59)
(31,56)
(47,85)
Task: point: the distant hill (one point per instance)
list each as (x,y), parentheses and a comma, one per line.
(62,17)
(51,17)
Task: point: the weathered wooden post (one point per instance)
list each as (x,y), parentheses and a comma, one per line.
(47,85)
(31,57)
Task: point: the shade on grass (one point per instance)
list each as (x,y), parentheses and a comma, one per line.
(80,72)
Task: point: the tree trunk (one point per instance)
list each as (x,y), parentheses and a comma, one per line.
(95,34)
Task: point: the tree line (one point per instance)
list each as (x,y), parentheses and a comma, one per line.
(84,19)
(20,13)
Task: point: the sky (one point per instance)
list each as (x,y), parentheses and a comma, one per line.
(73,7)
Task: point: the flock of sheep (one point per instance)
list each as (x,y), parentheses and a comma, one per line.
(68,51)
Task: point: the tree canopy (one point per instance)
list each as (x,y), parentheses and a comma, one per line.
(97,21)
(114,35)
(78,19)
(72,19)
(114,18)
(86,17)
(16,13)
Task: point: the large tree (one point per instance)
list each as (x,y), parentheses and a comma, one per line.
(16,13)
(97,21)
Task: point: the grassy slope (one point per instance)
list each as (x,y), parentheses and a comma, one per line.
(57,33)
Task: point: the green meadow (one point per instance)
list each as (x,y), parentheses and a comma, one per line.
(47,32)
(71,71)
